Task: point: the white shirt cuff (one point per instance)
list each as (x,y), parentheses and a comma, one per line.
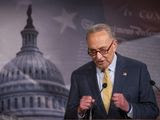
(130,113)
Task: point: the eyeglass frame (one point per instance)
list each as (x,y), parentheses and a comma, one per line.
(105,51)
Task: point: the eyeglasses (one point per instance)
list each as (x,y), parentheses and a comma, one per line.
(102,51)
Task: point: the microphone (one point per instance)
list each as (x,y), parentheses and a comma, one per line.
(104,85)
(153,83)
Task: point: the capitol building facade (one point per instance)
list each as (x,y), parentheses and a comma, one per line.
(31,86)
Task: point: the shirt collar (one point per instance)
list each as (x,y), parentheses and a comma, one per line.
(111,67)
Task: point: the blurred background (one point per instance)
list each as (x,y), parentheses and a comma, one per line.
(62,26)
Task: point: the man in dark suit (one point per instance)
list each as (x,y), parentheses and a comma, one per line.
(131,93)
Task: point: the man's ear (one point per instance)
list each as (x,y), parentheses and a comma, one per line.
(115,45)
(116,42)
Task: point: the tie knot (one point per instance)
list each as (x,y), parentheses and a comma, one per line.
(106,71)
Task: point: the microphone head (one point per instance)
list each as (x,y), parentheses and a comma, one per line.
(152,82)
(104,85)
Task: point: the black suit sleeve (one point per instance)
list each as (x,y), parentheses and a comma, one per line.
(73,100)
(146,106)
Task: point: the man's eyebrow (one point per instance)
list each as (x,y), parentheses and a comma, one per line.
(104,47)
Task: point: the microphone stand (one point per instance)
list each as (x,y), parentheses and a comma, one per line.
(157,88)
(104,85)
(90,113)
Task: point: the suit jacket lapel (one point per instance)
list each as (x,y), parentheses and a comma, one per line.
(120,75)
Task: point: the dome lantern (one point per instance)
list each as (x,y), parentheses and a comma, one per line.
(29,35)
(31,86)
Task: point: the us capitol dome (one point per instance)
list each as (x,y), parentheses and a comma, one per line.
(31,86)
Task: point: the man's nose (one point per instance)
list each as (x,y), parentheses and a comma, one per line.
(98,55)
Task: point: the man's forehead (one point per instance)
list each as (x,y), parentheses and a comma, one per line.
(99,44)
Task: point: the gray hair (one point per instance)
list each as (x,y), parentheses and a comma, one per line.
(99,27)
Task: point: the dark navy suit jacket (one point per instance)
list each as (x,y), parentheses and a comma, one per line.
(131,79)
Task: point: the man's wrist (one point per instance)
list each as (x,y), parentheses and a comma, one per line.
(81,113)
(130,111)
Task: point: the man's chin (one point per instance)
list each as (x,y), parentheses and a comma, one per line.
(102,67)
